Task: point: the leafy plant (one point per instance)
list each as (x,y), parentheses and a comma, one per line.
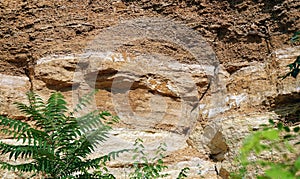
(56,143)
(146,167)
(274,138)
(296,37)
(183,173)
(294,67)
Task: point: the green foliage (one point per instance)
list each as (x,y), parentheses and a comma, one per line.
(296,37)
(56,141)
(183,173)
(273,138)
(294,67)
(146,167)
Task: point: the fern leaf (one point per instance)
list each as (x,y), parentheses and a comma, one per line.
(35,108)
(20,130)
(90,121)
(98,136)
(54,111)
(26,167)
(84,101)
(59,144)
(26,151)
(93,163)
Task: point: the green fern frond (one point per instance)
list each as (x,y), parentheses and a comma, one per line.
(96,119)
(95,176)
(27,151)
(25,167)
(84,101)
(35,103)
(94,163)
(58,144)
(56,107)
(21,130)
(89,121)
(35,100)
(98,135)
(16,125)
(35,110)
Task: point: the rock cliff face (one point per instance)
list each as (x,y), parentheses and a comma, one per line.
(152,61)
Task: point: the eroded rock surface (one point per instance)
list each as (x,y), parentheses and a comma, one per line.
(152,71)
(12,89)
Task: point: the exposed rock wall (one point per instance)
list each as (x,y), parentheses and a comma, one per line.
(152,61)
